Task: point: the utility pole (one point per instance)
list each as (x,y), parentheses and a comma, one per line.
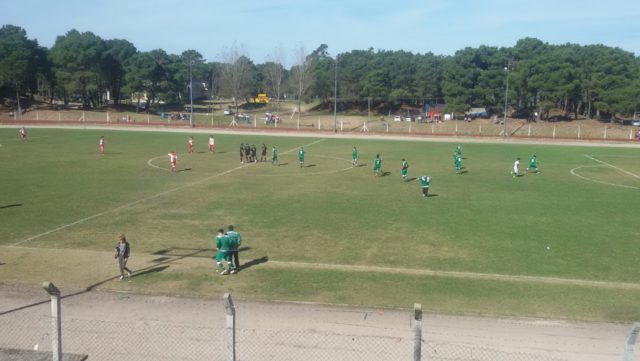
(191,93)
(506,99)
(335,96)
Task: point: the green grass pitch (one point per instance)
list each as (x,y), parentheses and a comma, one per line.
(328,232)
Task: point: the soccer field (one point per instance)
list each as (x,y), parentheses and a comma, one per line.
(560,244)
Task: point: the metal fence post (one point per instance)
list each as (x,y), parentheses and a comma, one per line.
(417,342)
(56,337)
(630,342)
(230,330)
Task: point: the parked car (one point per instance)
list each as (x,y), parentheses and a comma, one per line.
(633,122)
(227,112)
(397,118)
(408,118)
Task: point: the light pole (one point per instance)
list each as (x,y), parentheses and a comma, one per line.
(190,94)
(506,100)
(335,96)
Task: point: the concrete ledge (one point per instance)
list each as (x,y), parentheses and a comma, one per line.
(13,354)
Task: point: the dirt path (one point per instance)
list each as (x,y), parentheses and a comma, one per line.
(350,135)
(117,326)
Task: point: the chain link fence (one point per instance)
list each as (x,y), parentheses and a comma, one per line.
(130,337)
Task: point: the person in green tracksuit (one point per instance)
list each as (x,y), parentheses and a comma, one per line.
(274,156)
(425,181)
(377,165)
(235,241)
(533,165)
(458,163)
(354,157)
(301,156)
(224,247)
(405,168)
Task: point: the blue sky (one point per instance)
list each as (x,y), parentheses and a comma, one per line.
(260,26)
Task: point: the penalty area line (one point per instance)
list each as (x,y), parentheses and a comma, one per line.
(613,166)
(124,206)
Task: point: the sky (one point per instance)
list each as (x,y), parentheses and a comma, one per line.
(261,27)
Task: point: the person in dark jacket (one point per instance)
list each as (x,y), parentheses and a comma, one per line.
(122,254)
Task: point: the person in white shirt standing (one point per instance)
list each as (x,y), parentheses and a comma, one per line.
(516,164)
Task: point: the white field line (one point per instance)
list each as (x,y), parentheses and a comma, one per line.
(575,173)
(397,270)
(124,206)
(613,166)
(455,274)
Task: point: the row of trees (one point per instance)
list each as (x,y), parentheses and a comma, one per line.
(593,80)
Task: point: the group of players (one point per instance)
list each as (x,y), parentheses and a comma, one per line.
(249,153)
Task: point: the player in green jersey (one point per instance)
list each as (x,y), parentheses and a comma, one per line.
(458,164)
(459,150)
(354,157)
(301,156)
(274,156)
(377,166)
(405,168)
(224,246)
(425,181)
(533,165)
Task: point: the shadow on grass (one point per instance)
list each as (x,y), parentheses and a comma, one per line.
(310,165)
(162,263)
(11,205)
(410,179)
(362,165)
(254,262)
(146,270)
(431,195)
(384,174)
(185,170)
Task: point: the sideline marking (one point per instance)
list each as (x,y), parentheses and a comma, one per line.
(613,166)
(203,180)
(457,274)
(392,270)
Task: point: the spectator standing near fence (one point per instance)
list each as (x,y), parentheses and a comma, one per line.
(123,250)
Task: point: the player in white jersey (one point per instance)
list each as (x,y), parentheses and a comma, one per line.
(212,144)
(101,144)
(173,159)
(516,164)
